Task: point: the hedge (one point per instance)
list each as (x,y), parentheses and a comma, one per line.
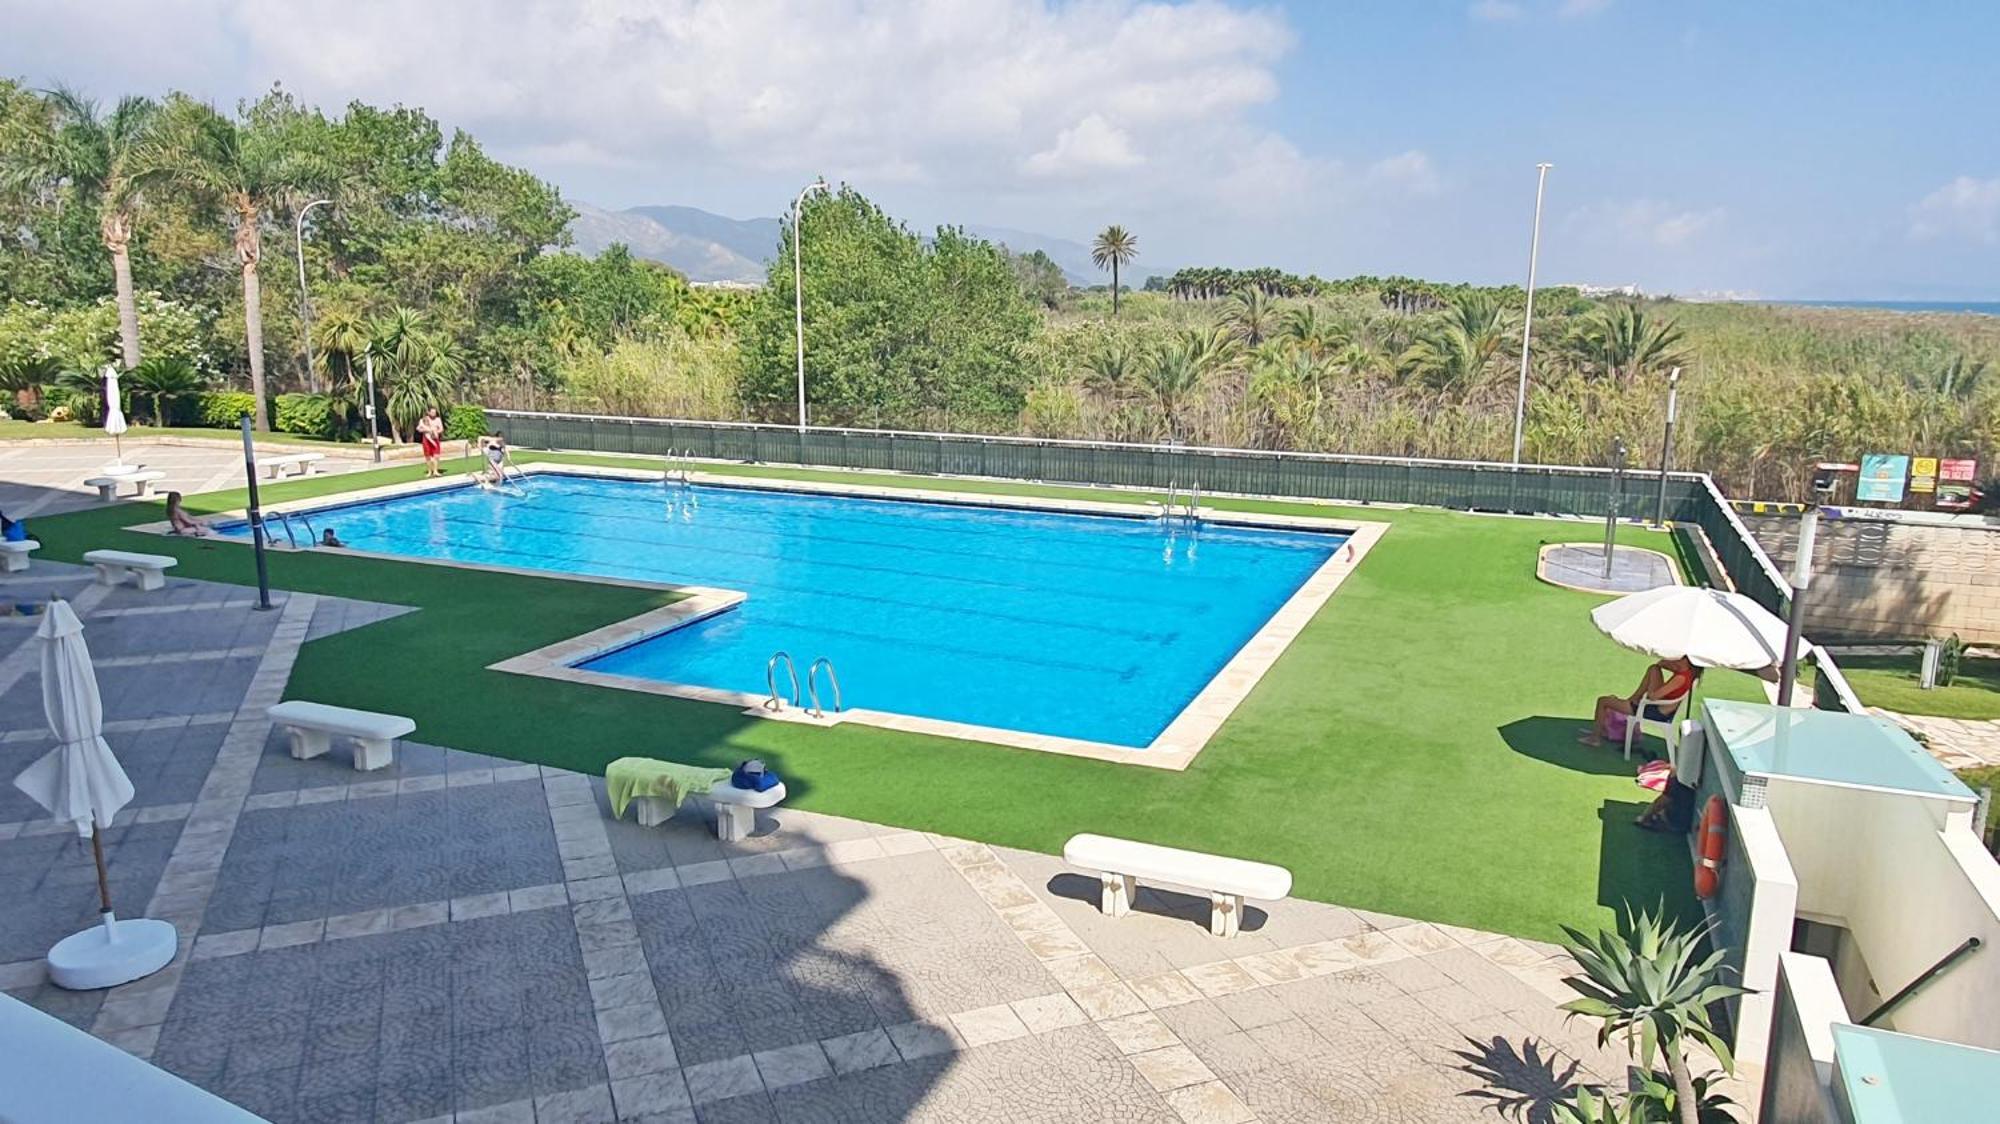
(223,409)
(465,423)
(308,415)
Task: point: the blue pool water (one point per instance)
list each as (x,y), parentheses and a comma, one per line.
(1089,627)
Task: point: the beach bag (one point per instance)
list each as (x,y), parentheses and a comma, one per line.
(752,776)
(1615,726)
(17,532)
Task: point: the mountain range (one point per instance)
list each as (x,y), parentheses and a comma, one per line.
(706,246)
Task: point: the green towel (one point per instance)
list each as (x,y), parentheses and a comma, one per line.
(628,777)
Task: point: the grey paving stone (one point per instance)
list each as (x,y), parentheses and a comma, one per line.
(865,1050)
(719,1080)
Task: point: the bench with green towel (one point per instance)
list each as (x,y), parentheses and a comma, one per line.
(663,785)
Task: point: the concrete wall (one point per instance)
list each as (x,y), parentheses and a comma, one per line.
(1800,1066)
(1910,881)
(1881,579)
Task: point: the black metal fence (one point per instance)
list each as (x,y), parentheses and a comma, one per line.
(1690,498)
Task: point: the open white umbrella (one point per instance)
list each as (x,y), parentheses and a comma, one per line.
(81,784)
(114,415)
(1707,627)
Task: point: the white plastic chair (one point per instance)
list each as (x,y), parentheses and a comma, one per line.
(1667,730)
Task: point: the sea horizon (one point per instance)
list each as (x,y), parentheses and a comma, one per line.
(1980,308)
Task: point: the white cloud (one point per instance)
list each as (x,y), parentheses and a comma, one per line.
(1409,172)
(997,96)
(1963,208)
(1091,145)
(1494,11)
(1647,222)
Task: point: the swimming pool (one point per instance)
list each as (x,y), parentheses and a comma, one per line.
(1090,627)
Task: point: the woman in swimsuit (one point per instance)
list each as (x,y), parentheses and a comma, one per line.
(430,432)
(179,521)
(1666,683)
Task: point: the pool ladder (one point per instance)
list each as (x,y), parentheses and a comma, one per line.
(1188,502)
(812,687)
(680,462)
(776,702)
(285,521)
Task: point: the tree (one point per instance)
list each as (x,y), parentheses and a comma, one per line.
(1250,316)
(1456,354)
(895,327)
(1621,341)
(246,169)
(1108,370)
(1114,249)
(88,154)
(1650,985)
(1176,370)
(1042,280)
(164,379)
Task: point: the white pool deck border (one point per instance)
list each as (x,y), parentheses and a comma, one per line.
(1174,748)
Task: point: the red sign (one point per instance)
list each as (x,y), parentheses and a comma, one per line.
(1966,470)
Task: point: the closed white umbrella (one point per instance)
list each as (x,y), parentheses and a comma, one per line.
(1707,627)
(81,784)
(114,415)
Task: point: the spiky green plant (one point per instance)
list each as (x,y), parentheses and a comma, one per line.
(1650,985)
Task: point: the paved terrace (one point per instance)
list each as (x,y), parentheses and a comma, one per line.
(47,476)
(460,936)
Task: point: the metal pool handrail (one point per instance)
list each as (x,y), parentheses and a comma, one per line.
(812,687)
(771,680)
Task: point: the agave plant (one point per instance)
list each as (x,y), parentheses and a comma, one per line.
(1592,1107)
(1650,985)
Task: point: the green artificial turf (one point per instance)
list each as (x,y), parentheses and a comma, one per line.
(1891,682)
(1412,753)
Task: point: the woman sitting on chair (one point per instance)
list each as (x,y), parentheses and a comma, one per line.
(1666,683)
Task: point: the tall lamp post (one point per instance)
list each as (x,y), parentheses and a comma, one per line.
(1667,444)
(305,306)
(1528,324)
(798,289)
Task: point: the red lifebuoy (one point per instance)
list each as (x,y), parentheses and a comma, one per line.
(1714,845)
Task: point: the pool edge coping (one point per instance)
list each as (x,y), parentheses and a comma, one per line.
(1174,748)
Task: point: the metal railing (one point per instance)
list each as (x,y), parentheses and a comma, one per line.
(771,680)
(812,687)
(1538,489)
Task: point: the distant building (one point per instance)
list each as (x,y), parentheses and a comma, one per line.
(1633,292)
(743,285)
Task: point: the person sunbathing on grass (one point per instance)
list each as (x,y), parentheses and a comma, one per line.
(180,522)
(1665,684)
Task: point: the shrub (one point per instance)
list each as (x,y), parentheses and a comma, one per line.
(221,409)
(308,415)
(464,423)
(1950,654)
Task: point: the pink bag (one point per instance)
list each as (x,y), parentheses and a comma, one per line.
(1617,723)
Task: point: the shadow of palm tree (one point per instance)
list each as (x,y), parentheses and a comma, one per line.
(1523,1084)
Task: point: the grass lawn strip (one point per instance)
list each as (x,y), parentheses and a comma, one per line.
(1412,753)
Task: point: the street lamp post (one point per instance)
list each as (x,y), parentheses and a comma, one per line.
(305,307)
(1667,444)
(1795,612)
(368,364)
(798,289)
(1528,323)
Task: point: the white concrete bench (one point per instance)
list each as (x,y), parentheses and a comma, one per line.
(313,726)
(280,466)
(735,809)
(1120,863)
(107,486)
(14,555)
(114,566)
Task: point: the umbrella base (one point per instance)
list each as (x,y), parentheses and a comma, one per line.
(95,958)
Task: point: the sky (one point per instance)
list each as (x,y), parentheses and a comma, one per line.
(1783,149)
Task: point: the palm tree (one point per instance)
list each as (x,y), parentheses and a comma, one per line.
(419,367)
(246,171)
(1114,248)
(163,378)
(1178,367)
(1249,316)
(1456,354)
(1651,985)
(89,153)
(1108,370)
(1621,341)
(1303,329)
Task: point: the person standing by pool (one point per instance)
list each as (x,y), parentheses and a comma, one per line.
(430,433)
